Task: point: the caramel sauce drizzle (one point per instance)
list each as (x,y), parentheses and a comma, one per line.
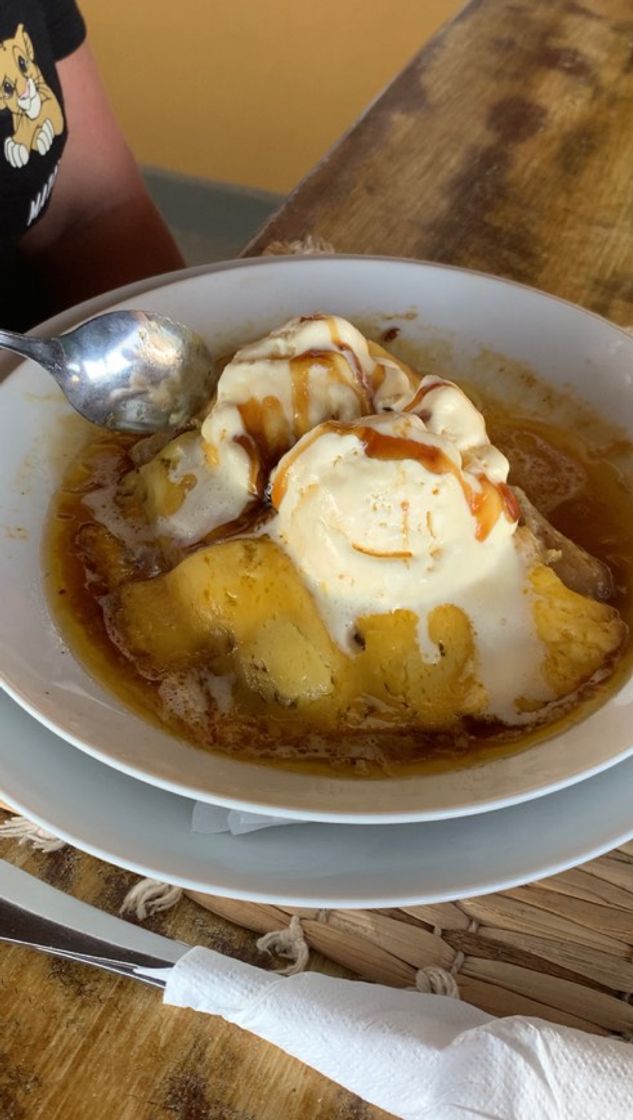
(301,365)
(403,554)
(485,504)
(511,506)
(300,377)
(268,431)
(280,485)
(266,426)
(421,392)
(255,481)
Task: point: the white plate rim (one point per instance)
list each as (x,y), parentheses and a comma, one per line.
(555,806)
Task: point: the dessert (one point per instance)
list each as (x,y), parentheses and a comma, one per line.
(333,564)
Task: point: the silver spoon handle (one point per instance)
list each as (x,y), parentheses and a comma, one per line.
(46,352)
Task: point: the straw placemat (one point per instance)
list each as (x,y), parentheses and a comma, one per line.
(561,948)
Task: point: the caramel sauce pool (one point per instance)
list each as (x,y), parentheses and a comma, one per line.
(597,513)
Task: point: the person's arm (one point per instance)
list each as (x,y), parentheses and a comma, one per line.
(101,228)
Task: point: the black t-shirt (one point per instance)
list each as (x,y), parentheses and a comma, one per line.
(34,35)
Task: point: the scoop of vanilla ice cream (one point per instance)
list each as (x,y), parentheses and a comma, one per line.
(448,412)
(205,490)
(312,369)
(382,514)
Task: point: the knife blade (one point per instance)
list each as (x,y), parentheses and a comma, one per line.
(35,914)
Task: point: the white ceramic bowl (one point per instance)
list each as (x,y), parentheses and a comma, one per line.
(461,320)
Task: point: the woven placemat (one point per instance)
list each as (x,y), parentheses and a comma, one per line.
(560,948)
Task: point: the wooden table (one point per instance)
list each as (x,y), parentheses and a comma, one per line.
(507,146)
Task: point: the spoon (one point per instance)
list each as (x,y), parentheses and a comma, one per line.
(127,370)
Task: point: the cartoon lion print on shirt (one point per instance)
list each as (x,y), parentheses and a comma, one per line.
(36,112)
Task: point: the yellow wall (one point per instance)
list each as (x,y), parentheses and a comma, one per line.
(250,91)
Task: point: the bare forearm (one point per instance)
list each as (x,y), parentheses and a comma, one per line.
(95,253)
(101,228)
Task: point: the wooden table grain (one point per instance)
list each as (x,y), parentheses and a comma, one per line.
(507,146)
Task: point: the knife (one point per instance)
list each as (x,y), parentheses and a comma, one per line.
(35,914)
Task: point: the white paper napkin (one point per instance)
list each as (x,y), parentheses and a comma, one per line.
(420,1057)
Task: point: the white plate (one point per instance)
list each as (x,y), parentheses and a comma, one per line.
(147,830)
(453,312)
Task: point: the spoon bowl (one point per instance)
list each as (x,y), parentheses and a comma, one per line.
(131,371)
